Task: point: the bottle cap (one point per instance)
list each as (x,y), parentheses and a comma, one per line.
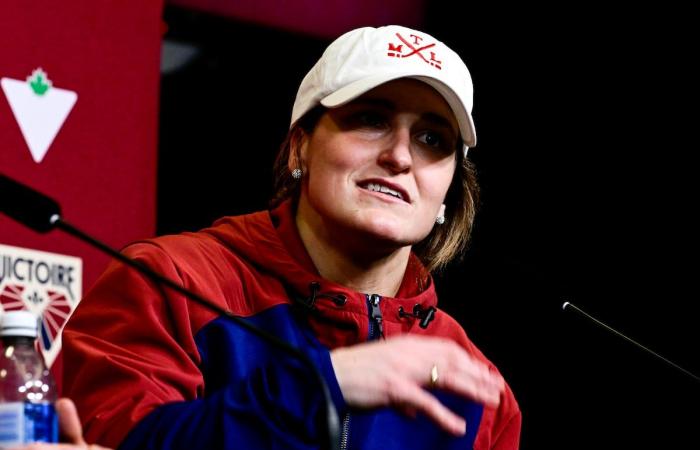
(18,323)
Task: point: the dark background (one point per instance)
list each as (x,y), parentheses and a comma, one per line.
(586,118)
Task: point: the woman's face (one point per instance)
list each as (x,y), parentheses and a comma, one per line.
(381,165)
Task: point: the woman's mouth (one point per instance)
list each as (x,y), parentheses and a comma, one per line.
(388,189)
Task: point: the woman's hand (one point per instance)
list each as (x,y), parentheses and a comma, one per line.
(394,372)
(70,429)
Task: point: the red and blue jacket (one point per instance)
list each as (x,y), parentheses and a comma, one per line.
(149,369)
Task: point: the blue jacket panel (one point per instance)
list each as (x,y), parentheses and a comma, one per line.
(259,397)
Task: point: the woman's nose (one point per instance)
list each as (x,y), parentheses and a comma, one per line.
(396,154)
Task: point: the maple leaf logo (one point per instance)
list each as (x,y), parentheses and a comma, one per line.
(39,82)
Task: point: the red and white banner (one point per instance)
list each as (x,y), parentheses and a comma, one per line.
(79,86)
(47,284)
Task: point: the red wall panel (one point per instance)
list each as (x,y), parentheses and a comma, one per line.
(101,166)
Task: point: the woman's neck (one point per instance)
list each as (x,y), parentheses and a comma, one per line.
(336,261)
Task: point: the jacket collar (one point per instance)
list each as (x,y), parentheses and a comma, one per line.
(271,242)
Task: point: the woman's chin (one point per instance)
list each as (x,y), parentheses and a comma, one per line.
(392,232)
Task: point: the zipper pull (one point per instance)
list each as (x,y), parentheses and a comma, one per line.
(375,313)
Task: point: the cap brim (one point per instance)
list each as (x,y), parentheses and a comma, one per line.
(353,90)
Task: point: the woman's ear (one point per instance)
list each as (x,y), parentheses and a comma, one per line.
(298,144)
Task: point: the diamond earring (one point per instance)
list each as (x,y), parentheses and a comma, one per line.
(296,173)
(440,219)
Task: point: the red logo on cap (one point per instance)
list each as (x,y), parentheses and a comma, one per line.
(396,50)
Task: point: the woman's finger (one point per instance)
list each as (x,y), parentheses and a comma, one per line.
(454,369)
(69,422)
(378,374)
(45,446)
(482,387)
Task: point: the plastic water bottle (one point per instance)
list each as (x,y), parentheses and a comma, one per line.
(27,390)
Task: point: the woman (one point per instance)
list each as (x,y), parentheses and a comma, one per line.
(374,191)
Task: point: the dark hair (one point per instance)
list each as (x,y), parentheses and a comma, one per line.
(445,242)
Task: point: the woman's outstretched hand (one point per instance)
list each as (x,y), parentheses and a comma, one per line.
(395,371)
(70,428)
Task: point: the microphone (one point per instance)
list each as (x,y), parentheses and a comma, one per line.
(568,306)
(41,213)
(27,206)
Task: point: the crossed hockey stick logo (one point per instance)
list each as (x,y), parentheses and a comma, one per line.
(414,48)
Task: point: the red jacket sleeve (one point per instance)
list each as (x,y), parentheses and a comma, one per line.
(133,348)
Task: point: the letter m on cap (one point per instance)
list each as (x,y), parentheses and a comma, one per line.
(395,50)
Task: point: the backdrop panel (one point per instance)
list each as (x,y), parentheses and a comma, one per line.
(78,121)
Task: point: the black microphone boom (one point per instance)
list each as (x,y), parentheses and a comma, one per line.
(26,205)
(41,213)
(568,306)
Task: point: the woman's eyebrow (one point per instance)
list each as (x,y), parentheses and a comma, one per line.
(434,118)
(384,103)
(439,120)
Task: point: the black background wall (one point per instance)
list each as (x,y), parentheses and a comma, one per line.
(586,119)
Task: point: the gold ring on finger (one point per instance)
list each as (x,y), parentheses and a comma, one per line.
(434,376)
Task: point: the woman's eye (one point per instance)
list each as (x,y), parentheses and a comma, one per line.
(433,139)
(371,119)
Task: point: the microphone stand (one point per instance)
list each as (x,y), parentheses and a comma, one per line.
(568,306)
(333,425)
(41,213)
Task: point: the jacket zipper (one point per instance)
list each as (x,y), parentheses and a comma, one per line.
(345,432)
(376,328)
(376,331)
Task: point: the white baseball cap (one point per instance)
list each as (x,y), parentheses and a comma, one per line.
(364,58)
